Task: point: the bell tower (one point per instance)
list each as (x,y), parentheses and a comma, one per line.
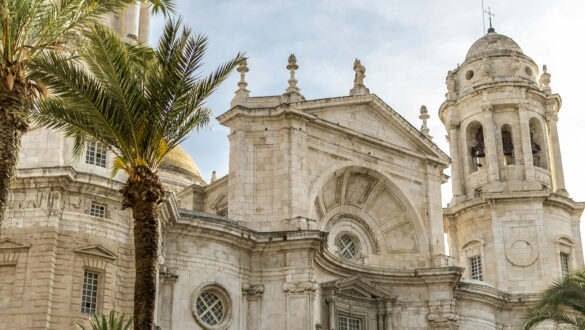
(511,222)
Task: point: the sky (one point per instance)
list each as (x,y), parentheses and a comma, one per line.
(407,48)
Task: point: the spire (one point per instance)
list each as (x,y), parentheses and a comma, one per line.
(424,115)
(358,82)
(293,92)
(544,81)
(490,15)
(213,177)
(242,93)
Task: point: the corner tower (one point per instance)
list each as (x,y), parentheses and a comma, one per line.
(511,222)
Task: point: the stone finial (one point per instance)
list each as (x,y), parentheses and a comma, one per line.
(242,93)
(451,83)
(358,82)
(544,81)
(424,115)
(213,177)
(292,82)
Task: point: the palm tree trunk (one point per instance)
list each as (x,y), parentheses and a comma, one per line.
(143,192)
(13,124)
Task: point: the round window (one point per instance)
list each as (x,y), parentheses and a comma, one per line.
(528,71)
(469,74)
(347,247)
(210,306)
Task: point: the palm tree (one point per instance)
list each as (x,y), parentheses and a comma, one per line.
(28,29)
(563,302)
(113,322)
(140,103)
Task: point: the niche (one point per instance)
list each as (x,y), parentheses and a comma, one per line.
(476,145)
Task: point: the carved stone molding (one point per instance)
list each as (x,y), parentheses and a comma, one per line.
(300,287)
(253,291)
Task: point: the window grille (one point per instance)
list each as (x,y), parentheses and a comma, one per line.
(347,247)
(349,323)
(476,271)
(90,291)
(564,263)
(210,308)
(97,210)
(95,154)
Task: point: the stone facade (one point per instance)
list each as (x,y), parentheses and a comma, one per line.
(330,216)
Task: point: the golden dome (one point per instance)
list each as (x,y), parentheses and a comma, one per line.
(179,160)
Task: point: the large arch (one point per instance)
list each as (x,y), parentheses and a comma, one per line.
(371,204)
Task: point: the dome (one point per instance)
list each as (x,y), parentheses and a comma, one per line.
(492,43)
(179,160)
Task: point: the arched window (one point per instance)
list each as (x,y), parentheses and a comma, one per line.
(537,143)
(507,145)
(476,146)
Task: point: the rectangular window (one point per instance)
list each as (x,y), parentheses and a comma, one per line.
(97,210)
(90,290)
(565,263)
(95,154)
(475,266)
(349,323)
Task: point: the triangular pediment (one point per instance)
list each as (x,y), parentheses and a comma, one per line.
(356,287)
(372,117)
(7,244)
(96,251)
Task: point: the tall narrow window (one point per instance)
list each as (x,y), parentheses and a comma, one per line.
(349,323)
(95,154)
(537,143)
(89,295)
(564,263)
(476,146)
(475,267)
(507,145)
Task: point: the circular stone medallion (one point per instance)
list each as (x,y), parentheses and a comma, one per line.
(521,253)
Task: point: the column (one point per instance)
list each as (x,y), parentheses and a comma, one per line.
(130,22)
(555,156)
(331,302)
(490,142)
(526,146)
(456,173)
(144,22)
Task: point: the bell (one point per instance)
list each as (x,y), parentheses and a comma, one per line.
(535,148)
(478,151)
(508,151)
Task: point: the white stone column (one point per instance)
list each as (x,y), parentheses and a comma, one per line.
(555,156)
(490,142)
(526,145)
(144,22)
(130,22)
(331,302)
(457,162)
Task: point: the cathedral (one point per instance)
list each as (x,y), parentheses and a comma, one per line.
(330,216)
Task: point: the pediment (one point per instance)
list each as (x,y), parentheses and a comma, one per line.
(8,244)
(96,251)
(355,287)
(372,117)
